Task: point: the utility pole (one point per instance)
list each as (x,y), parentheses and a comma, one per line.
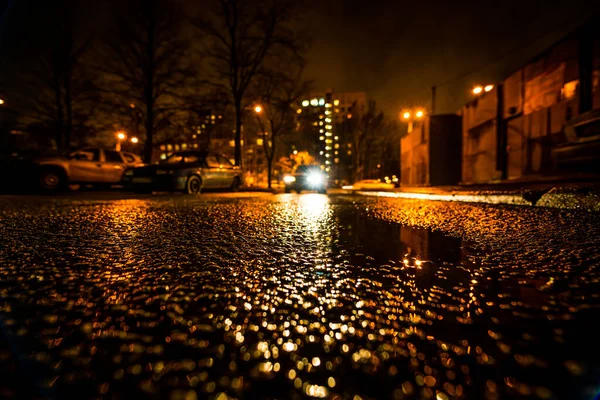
(433,88)
(501,139)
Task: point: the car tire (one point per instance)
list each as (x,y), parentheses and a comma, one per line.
(52,179)
(193,185)
(235,185)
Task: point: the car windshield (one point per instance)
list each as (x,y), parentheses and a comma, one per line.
(184,157)
(173,159)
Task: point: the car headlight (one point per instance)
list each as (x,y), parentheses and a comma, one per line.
(315,178)
(289,179)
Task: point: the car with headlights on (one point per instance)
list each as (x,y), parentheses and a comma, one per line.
(306,177)
(186,171)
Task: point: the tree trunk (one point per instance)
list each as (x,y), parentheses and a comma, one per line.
(59,134)
(69,109)
(269,171)
(238,132)
(149,85)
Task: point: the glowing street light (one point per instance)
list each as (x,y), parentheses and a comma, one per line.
(420,114)
(477,89)
(120,137)
(406,115)
(488,88)
(1,101)
(258,109)
(134,140)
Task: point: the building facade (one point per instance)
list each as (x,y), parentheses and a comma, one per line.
(321,116)
(513,131)
(430,152)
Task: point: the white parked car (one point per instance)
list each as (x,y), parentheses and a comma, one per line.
(90,165)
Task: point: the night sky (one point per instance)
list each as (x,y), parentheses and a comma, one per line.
(396,50)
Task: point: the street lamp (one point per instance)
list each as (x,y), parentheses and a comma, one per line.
(1,101)
(420,114)
(406,115)
(120,137)
(134,140)
(258,109)
(477,90)
(488,88)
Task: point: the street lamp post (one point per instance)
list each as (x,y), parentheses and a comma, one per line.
(120,137)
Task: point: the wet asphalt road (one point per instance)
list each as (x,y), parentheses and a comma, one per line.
(295,296)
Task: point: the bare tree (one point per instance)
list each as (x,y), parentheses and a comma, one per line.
(278,91)
(371,133)
(147,67)
(240,35)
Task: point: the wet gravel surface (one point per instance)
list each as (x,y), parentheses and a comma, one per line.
(296,296)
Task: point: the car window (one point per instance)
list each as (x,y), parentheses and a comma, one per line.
(174,159)
(112,156)
(130,158)
(212,161)
(191,158)
(87,155)
(224,162)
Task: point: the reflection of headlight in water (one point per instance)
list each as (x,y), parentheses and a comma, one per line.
(315,179)
(289,179)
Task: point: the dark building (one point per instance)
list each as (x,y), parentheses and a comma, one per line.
(430,153)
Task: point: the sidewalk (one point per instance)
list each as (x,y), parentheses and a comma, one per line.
(567,195)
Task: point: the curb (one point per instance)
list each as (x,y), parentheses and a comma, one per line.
(554,198)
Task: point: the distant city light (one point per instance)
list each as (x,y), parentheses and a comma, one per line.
(305,103)
(336,102)
(477,89)
(314,102)
(299,111)
(487,88)
(1,101)
(321,101)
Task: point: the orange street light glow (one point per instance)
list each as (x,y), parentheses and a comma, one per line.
(258,109)
(134,140)
(420,114)
(487,88)
(406,115)
(120,135)
(477,89)
(1,101)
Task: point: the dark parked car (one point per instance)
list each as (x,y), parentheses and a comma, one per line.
(306,177)
(581,151)
(187,171)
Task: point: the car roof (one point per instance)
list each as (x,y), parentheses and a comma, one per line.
(191,152)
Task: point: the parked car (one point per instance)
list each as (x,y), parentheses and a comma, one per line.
(133,159)
(187,171)
(91,165)
(306,177)
(369,184)
(581,151)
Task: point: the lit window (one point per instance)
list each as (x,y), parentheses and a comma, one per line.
(213,116)
(336,102)
(327,147)
(337,146)
(194,136)
(184,146)
(321,131)
(260,141)
(328,141)
(336,152)
(169,147)
(305,103)
(349,145)
(337,160)
(195,145)
(327,112)
(314,102)
(321,137)
(327,162)
(232,143)
(327,126)
(163,156)
(349,152)
(327,155)
(327,119)
(569,90)
(327,169)
(349,116)
(321,123)
(328,134)
(327,105)
(299,111)
(321,101)
(162,147)
(321,153)
(176,147)
(321,116)
(337,138)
